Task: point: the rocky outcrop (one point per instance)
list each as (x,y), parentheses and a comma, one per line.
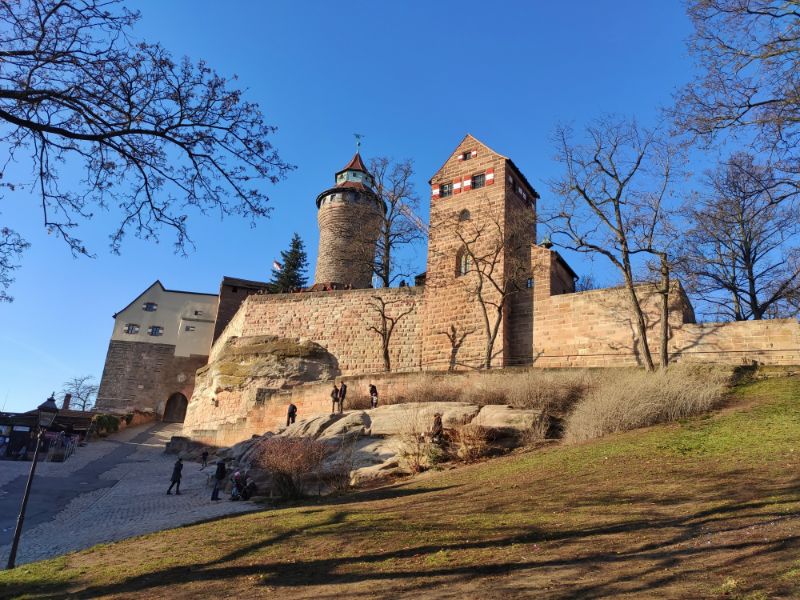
(247,372)
(375,444)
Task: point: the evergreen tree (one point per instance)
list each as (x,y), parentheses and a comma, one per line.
(293,267)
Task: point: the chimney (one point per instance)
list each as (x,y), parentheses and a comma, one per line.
(65,404)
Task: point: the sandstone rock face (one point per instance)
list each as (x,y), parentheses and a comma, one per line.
(375,443)
(248,371)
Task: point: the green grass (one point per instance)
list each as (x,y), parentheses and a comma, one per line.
(709,507)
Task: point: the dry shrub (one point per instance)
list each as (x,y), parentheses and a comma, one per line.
(472,441)
(627,399)
(290,461)
(555,392)
(413,426)
(428,388)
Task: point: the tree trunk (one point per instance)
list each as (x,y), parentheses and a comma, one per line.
(641,326)
(664,351)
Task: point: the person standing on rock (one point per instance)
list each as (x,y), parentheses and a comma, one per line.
(291,415)
(204,463)
(373,395)
(334,398)
(219,477)
(176,478)
(342,394)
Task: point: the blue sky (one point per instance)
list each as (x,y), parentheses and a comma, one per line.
(413,77)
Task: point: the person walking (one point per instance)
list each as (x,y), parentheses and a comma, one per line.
(291,414)
(176,478)
(204,457)
(342,394)
(219,477)
(373,395)
(334,398)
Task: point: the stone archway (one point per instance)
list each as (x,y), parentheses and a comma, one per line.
(175,409)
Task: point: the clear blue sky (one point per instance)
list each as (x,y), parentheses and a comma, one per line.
(413,77)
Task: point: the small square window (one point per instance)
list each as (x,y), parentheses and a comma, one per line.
(131,328)
(189,328)
(198,313)
(155,330)
(445,190)
(529,283)
(478,181)
(466,156)
(150,307)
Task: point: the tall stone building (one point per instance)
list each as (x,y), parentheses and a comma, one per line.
(349,216)
(158,343)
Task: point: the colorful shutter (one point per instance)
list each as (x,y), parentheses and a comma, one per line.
(489,176)
(474,153)
(435,191)
(457,186)
(467,183)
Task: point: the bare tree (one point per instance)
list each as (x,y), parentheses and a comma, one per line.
(612,199)
(747,53)
(586,283)
(401,226)
(11,248)
(741,252)
(492,265)
(83,391)
(386,323)
(154,138)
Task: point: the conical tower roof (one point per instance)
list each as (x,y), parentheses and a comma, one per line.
(355,164)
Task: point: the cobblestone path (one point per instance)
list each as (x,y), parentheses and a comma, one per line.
(109,490)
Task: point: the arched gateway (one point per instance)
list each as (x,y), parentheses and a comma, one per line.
(175,410)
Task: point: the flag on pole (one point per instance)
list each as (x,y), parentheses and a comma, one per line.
(277,266)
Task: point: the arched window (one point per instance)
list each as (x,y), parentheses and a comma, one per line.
(463,262)
(464,215)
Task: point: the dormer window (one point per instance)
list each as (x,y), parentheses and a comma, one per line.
(150,307)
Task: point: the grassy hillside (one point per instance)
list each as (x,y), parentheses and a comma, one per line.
(707,508)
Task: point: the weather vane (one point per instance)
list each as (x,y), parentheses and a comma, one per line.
(358,137)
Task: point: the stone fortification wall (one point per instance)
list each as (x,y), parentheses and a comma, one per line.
(234,328)
(595,329)
(339,321)
(142,376)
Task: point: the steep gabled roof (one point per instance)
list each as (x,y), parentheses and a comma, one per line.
(509,162)
(355,164)
(158,283)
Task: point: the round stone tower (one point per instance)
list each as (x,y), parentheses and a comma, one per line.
(349,217)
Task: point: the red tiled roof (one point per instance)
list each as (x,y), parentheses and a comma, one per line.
(355,164)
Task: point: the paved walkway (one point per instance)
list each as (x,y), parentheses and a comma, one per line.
(109,490)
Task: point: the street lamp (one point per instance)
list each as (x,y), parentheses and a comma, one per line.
(45,415)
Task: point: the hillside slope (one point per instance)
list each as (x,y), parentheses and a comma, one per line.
(706,508)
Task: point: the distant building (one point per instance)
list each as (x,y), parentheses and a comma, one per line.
(158,343)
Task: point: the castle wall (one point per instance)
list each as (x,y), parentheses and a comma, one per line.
(142,376)
(596,329)
(340,321)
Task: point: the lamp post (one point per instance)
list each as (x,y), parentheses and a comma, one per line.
(45,415)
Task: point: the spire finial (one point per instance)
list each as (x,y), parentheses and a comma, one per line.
(358,137)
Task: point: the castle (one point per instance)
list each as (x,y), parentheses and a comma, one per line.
(490,294)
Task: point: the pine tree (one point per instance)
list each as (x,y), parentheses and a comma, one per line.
(294,265)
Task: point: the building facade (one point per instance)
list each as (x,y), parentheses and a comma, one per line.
(158,343)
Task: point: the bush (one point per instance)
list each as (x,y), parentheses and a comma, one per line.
(623,400)
(106,424)
(290,462)
(471,440)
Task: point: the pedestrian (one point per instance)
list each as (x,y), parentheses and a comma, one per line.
(342,394)
(219,477)
(334,398)
(176,478)
(437,431)
(373,395)
(204,457)
(291,414)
